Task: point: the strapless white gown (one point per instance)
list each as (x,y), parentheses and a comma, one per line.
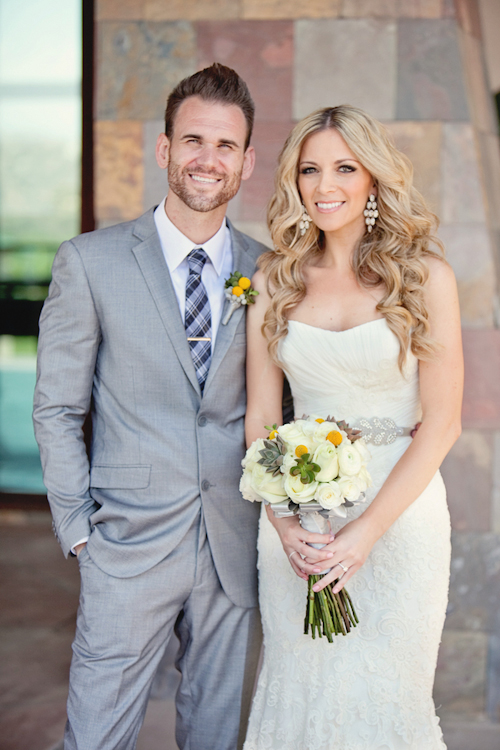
(372,689)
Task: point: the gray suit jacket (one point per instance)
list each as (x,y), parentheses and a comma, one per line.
(112,340)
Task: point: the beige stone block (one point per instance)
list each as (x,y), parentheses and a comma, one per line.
(392,8)
(119,170)
(480,99)
(421,142)
(463,198)
(490,163)
(191,10)
(460,686)
(262,9)
(119,10)
(469,252)
(495,490)
(257,230)
(329,71)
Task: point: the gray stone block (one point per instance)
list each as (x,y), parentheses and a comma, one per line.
(138,65)
(430,82)
(460,685)
(475,582)
(155,178)
(345,61)
(493,690)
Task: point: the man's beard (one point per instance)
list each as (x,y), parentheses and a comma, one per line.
(228,187)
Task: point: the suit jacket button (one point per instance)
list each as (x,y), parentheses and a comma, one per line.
(205,485)
(202,421)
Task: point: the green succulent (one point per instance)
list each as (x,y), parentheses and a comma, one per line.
(307,469)
(272,455)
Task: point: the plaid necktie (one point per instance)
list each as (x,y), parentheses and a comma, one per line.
(197,319)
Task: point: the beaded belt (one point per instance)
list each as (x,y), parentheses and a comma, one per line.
(381,431)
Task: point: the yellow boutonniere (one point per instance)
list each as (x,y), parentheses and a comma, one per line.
(238,291)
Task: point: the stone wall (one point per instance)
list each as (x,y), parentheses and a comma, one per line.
(418,66)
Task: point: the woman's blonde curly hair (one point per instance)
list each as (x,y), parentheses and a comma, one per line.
(393,253)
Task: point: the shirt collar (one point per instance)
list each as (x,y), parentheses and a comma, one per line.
(176,246)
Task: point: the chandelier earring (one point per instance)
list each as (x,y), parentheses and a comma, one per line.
(305,221)
(371,213)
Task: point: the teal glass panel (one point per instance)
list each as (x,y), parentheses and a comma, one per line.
(40,156)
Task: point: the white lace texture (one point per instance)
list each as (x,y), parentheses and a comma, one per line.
(372,689)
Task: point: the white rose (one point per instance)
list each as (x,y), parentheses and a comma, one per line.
(326,457)
(252,455)
(349,487)
(363,450)
(364,479)
(322,429)
(328,495)
(247,488)
(268,487)
(294,435)
(298,492)
(289,461)
(349,459)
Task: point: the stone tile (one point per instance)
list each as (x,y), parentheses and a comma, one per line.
(392,8)
(191,10)
(155,178)
(261,52)
(291,8)
(255,193)
(448,9)
(467,13)
(257,230)
(430,81)
(470,735)
(490,163)
(480,99)
(493,693)
(362,72)
(467,473)
(119,10)
(469,252)
(460,684)
(462,190)
(421,142)
(481,406)
(139,64)
(119,170)
(474,582)
(495,490)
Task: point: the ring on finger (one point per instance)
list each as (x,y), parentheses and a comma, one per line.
(344,568)
(292,553)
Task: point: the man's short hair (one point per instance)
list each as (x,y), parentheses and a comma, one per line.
(217,83)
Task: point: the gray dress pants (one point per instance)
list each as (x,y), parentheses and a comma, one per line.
(123,627)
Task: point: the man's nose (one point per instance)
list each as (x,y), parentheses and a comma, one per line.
(207,157)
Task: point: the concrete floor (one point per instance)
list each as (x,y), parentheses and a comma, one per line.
(38,601)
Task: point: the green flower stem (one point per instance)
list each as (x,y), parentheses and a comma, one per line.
(328,613)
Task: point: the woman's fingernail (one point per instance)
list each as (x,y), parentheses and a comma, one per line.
(316,588)
(329,554)
(332,538)
(316,570)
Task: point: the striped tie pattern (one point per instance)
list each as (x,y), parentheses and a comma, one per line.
(198,320)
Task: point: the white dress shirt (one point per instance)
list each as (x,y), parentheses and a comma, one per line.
(176,247)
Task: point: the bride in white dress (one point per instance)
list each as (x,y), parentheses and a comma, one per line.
(365,324)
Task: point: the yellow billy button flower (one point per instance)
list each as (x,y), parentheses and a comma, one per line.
(237,291)
(273,434)
(319,420)
(334,437)
(244,283)
(300,450)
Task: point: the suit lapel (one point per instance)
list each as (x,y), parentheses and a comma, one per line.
(245,263)
(151,261)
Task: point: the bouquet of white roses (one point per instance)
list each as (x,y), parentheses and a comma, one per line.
(314,467)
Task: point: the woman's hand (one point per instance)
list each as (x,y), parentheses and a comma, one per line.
(350,548)
(294,540)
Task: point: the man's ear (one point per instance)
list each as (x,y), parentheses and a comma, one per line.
(162,151)
(248,163)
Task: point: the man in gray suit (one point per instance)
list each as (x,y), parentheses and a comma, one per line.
(131,331)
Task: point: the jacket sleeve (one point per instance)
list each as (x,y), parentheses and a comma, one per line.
(67,352)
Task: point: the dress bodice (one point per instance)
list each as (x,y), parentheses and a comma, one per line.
(350,374)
